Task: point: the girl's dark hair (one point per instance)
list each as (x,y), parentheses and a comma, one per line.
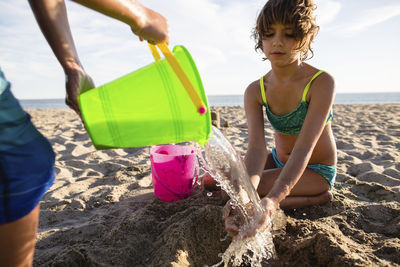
(297,13)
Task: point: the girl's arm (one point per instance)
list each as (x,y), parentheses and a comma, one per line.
(321,101)
(256,155)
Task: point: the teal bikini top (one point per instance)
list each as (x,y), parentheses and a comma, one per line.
(290,123)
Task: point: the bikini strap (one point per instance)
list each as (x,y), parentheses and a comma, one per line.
(262,90)
(309,84)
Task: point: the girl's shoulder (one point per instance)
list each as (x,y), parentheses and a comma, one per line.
(254,88)
(253,92)
(324,79)
(322,86)
(323,75)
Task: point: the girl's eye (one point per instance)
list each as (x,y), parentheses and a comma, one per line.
(268,34)
(290,35)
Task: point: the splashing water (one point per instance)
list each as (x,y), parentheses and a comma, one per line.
(224,164)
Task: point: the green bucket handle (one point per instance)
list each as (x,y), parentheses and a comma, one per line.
(176,67)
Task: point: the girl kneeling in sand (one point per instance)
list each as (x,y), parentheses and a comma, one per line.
(298,100)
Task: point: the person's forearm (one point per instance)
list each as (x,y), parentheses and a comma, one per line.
(144,22)
(255,162)
(131,12)
(289,175)
(51,16)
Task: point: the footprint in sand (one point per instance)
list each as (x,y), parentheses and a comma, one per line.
(374,192)
(382,219)
(378,178)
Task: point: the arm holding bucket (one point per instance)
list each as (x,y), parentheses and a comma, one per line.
(53,21)
(51,16)
(144,22)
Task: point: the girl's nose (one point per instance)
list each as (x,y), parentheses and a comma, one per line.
(277,41)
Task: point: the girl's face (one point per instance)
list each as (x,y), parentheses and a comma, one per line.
(279,45)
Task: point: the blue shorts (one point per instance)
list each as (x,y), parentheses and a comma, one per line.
(326,171)
(26,159)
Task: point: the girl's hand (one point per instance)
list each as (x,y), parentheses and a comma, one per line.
(233,216)
(265,221)
(270,207)
(234,219)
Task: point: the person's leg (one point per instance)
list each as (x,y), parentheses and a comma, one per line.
(294,202)
(270,164)
(18,239)
(311,189)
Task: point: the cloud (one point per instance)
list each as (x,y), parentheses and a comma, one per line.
(374,16)
(11,10)
(327,11)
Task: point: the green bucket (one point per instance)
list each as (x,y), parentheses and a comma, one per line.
(149,106)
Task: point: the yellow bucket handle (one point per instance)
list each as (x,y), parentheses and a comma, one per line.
(194,96)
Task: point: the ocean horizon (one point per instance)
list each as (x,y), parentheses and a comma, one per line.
(237,100)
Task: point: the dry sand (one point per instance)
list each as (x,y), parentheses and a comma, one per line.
(101,210)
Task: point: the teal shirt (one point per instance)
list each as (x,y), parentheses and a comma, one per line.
(15,124)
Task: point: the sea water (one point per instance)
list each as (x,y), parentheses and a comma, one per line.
(225,165)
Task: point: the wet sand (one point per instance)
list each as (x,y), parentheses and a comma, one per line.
(101,210)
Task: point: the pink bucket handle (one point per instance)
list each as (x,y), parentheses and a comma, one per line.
(179,195)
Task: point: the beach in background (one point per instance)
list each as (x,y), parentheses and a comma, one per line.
(237,100)
(101,210)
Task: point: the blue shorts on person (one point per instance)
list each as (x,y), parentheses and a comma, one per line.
(26,159)
(328,172)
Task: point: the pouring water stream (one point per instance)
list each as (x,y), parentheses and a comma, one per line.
(225,165)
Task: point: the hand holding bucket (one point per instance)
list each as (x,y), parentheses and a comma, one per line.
(150,106)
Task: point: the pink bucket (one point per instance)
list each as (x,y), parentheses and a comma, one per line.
(173,169)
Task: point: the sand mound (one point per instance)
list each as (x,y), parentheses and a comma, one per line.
(136,232)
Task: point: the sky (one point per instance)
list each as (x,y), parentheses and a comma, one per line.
(358,43)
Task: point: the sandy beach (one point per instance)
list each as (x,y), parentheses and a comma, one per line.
(101,210)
